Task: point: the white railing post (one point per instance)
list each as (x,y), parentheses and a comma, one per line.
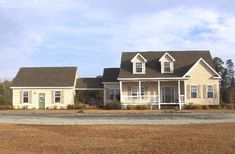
(185,93)
(179,98)
(159,94)
(121,92)
(139,92)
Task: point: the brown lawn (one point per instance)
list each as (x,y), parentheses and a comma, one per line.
(206,138)
(102,111)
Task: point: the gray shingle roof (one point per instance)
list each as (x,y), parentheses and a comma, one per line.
(184,61)
(45,77)
(110,74)
(89,83)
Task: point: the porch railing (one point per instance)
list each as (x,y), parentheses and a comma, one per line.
(147,99)
(144,99)
(182,98)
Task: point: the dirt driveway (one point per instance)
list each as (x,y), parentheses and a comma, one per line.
(117,119)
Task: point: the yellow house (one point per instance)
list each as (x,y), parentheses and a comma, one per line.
(157,79)
(153,78)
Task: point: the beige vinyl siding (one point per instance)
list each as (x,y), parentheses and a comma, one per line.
(202,76)
(66,99)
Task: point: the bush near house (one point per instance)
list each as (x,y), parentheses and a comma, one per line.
(115,104)
(141,107)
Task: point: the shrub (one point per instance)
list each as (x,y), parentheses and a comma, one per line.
(115,104)
(205,107)
(193,107)
(141,107)
(77,106)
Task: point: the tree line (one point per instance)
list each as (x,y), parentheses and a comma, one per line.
(5,93)
(226,70)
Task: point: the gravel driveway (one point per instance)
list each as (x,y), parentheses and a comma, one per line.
(118,119)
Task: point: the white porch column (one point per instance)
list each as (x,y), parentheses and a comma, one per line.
(179,99)
(159,94)
(104,95)
(185,93)
(139,92)
(121,92)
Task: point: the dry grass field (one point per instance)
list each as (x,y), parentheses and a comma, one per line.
(205,138)
(101,111)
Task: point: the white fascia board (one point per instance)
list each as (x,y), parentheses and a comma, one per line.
(167,54)
(201,59)
(138,54)
(42,87)
(89,88)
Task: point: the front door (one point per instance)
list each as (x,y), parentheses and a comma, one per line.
(41,101)
(168,94)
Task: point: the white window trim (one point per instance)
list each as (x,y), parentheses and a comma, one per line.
(23,96)
(57,96)
(191,91)
(143,68)
(207,87)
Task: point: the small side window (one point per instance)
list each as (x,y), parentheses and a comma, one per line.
(139,67)
(57,96)
(210,92)
(25,96)
(194,91)
(167,67)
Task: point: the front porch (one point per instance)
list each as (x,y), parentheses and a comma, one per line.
(152,93)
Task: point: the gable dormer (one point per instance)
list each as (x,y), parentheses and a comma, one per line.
(167,63)
(138,64)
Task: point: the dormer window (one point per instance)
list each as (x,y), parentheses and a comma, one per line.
(139,63)
(139,67)
(167,63)
(167,67)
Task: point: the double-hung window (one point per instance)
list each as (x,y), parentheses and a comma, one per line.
(167,67)
(210,93)
(57,96)
(25,96)
(194,91)
(139,67)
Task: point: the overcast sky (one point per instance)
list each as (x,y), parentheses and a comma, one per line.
(91,34)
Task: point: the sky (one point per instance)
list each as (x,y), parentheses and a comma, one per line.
(92,34)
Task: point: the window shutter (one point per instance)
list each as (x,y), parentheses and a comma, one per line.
(199,91)
(129,91)
(21,96)
(204,91)
(30,97)
(188,92)
(52,97)
(62,97)
(215,91)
